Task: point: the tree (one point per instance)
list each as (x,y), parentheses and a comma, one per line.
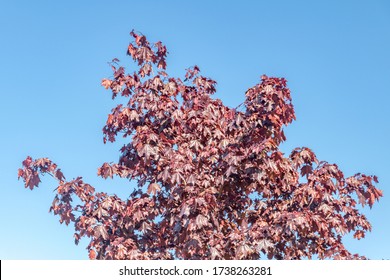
(212,182)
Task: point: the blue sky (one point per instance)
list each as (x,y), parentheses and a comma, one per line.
(334,54)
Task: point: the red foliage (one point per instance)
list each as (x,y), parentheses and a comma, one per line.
(212,182)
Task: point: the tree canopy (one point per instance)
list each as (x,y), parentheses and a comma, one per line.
(212,182)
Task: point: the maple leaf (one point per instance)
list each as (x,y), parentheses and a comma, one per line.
(201,221)
(106,83)
(20,173)
(153,188)
(106,171)
(100,231)
(27,162)
(92,254)
(33,180)
(59,175)
(264,244)
(162,64)
(306,170)
(243,251)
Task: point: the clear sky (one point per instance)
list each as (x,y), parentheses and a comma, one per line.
(53,54)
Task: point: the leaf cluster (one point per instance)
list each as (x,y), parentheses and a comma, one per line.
(212,182)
